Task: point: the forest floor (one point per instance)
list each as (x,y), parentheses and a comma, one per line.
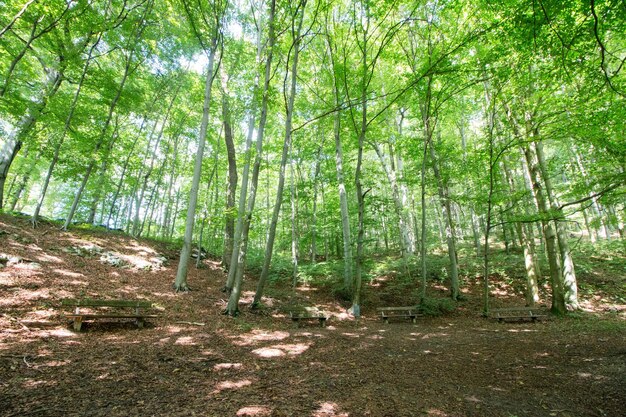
(192,360)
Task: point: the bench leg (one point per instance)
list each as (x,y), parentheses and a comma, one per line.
(322,322)
(140,323)
(413,319)
(386,320)
(78,323)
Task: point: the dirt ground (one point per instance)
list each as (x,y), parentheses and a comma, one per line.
(194,361)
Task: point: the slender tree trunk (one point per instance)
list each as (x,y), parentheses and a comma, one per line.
(99,188)
(18,188)
(100,141)
(295,242)
(241,245)
(314,211)
(449,227)
(568,272)
(341,183)
(13,143)
(180,284)
(229,227)
(289,105)
(558,297)
(403,228)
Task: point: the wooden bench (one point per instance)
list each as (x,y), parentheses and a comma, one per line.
(87,308)
(518,314)
(402,312)
(307,313)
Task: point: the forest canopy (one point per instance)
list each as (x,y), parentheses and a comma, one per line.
(322,129)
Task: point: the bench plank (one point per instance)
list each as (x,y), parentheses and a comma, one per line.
(91,302)
(402,312)
(107,310)
(308,313)
(518,314)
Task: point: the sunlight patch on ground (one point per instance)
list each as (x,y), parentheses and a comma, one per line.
(223,366)
(49,258)
(329,409)
(276,351)
(70,274)
(254,411)
(521,331)
(224,385)
(353,335)
(310,335)
(30,383)
(436,413)
(174,329)
(257,336)
(428,336)
(306,289)
(57,363)
(269,352)
(59,333)
(185,341)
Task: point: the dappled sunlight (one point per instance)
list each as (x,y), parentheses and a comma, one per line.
(521,331)
(254,411)
(32,383)
(257,336)
(56,363)
(306,288)
(433,412)
(170,295)
(328,409)
(62,333)
(225,366)
(343,316)
(246,297)
(269,352)
(185,341)
(173,329)
(352,335)
(276,351)
(231,385)
(311,335)
(70,274)
(378,281)
(49,258)
(430,335)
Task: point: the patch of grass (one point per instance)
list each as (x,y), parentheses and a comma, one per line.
(589,322)
(436,306)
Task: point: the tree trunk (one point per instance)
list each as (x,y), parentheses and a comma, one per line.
(558,297)
(229,227)
(66,128)
(180,284)
(568,271)
(289,105)
(241,242)
(14,142)
(343,197)
(449,226)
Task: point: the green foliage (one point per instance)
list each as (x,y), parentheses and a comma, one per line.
(436,306)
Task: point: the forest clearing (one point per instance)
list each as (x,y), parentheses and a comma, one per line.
(193,360)
(312,207)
